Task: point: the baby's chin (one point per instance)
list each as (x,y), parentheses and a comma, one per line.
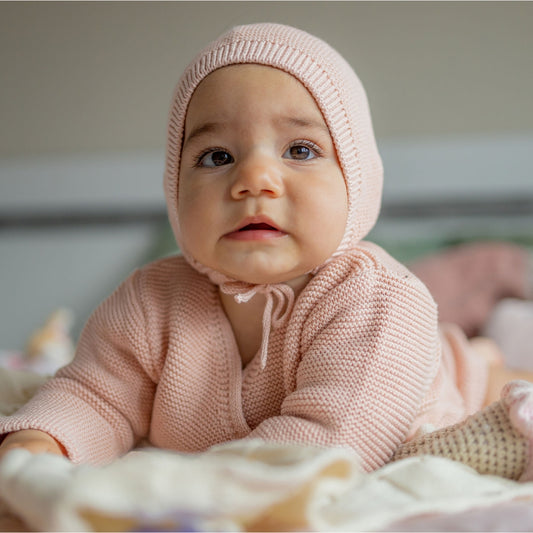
(297,281)
(254,272)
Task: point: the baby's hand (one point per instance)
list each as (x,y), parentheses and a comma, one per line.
(32,440)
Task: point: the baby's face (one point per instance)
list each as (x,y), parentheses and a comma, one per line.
(262,197)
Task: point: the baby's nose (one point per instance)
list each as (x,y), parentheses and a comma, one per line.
(255,177)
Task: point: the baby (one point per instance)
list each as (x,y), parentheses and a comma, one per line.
(278,321)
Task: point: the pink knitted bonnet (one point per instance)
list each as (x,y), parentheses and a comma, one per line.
(342,101)
(334,86)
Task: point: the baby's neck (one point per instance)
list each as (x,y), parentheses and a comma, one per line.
(246,318)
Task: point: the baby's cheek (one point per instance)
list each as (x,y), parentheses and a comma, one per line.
(188,227)
(332,224)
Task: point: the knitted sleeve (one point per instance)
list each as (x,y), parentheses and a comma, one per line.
(99,405)
(370,351)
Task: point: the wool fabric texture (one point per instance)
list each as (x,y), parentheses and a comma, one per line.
(358,365)
(356,360)
(334,86)
(342,100)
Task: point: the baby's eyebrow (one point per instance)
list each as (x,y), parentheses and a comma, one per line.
(303,122)
(288,121)
(206,127)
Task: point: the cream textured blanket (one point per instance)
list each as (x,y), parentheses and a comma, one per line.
(245,485)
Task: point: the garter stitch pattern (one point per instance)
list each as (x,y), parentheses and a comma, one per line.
(342,100)
(337,91)
(340,97)
(357,360)
(358,364)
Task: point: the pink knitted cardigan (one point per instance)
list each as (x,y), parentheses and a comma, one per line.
(357,360)
(358,364)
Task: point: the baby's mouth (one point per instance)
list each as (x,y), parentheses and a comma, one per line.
(258,227)
(255,231)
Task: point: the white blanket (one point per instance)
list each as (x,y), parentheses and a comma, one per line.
(245,485)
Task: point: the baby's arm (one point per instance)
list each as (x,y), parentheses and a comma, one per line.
(98,406)
(32,440)
(369,354)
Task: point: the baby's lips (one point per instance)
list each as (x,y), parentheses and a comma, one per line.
(257,223)
(262,226)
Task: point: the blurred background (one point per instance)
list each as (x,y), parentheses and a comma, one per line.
(85,89)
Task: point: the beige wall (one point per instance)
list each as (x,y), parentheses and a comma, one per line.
(450,85)
(97,76)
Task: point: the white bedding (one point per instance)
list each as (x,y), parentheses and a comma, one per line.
(250,485)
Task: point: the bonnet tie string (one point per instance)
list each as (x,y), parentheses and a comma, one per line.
(273,316)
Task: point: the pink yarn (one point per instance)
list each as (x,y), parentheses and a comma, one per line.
(342,100)
(337,91)
(355,361)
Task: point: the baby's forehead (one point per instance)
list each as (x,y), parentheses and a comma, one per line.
(237,88)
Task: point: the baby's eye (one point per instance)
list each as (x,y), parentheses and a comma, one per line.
(301,152)
(215,158)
